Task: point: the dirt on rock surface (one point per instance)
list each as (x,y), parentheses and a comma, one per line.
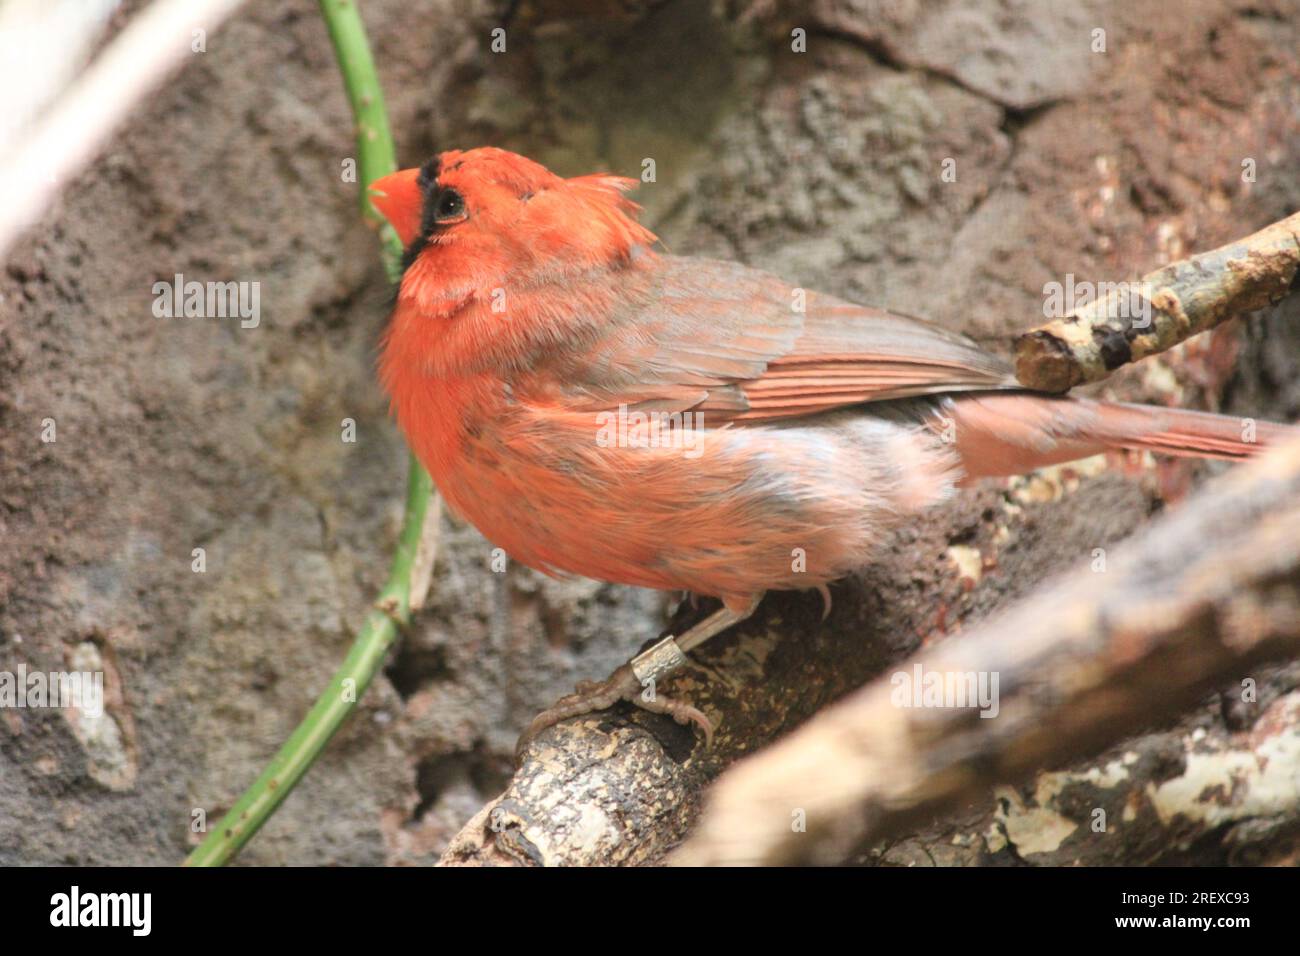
(200,529)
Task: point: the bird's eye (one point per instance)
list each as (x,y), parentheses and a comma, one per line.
(449,207)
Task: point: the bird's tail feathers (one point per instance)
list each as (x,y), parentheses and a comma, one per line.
(1013,433)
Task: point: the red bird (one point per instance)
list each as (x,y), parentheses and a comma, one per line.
(597,408)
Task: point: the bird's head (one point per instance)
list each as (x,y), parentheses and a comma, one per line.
(476,222)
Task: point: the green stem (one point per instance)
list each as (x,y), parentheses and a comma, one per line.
(379,631)
(375,154)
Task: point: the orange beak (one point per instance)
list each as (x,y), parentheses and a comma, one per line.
(397,197)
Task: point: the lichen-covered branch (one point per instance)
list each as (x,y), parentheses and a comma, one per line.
(623,801)
(1134,320)
(1220,786)
(1209,592)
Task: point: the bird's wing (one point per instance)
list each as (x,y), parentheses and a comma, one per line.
(743,345)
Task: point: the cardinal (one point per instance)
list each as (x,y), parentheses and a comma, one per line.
(596,407)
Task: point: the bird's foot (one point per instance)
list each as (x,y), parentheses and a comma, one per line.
(635,681)
(623,684)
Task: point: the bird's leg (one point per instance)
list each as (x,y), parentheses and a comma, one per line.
(636,680)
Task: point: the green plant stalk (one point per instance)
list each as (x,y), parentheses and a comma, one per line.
(393,609)
(376,156)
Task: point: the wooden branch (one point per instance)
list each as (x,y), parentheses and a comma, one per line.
(1209,591)
(1164,308)
(584,797)
(1219,787)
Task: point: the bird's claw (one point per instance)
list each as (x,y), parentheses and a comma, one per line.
(591,696)
(679,711)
